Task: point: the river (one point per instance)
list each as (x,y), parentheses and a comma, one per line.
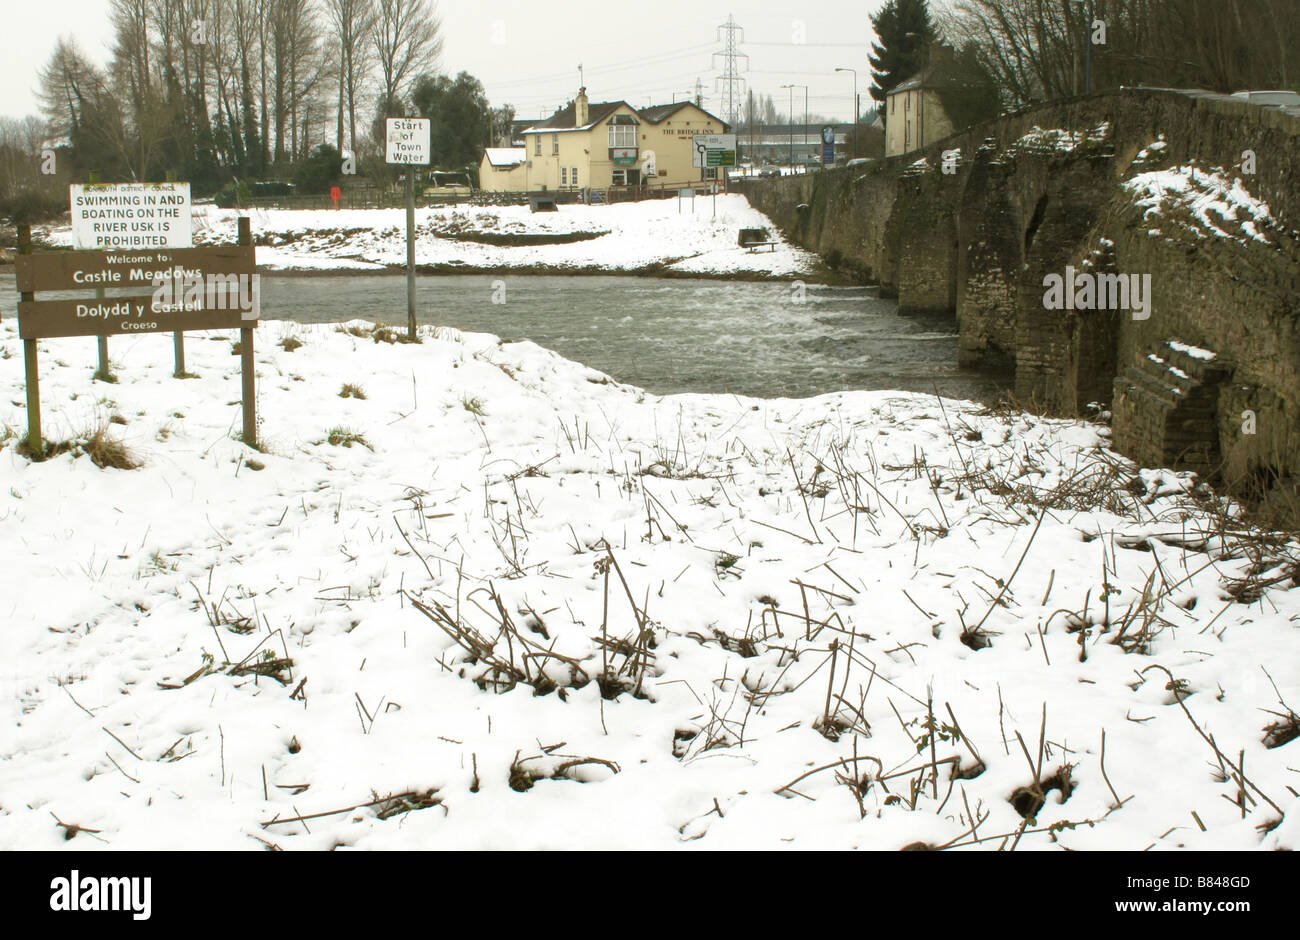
(764,339)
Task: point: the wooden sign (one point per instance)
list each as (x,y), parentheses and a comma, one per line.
(124,316)
(193,289)
(79,270)
(209,288)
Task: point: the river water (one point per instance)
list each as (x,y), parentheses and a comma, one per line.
(765,339)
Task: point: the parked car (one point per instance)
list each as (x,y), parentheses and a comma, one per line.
(448,184)
(769,171)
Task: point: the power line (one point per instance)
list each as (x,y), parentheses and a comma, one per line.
(655,59)
(819,45)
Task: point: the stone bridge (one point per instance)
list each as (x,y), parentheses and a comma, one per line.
(1191,196)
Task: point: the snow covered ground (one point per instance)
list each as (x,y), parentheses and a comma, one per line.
(694,237)
(862,620)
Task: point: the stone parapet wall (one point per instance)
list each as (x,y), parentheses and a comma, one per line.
(1024,201)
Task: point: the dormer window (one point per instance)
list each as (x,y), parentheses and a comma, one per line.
(622,131)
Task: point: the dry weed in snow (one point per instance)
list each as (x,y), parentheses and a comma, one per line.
(534,608)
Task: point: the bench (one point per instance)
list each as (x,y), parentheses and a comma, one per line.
(753,239)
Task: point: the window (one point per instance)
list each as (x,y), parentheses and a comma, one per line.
(573,175)
(893,104)
(622,131)
(555,144)
(907,102)
(620,177)
(537,145)
(564,176)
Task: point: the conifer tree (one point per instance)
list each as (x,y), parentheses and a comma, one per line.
(905,31)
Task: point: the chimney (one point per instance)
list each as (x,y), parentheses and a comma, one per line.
(581,112)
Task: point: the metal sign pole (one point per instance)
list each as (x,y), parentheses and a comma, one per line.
(410,252)
(246,365)
(408,144)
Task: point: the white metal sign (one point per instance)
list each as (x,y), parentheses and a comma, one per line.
(409,141)
(131,215)
(703,143)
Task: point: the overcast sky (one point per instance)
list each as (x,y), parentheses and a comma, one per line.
(527,52)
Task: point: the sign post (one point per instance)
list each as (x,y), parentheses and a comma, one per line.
(409,144)
(828,146)
(131,216)
(35,442)
(247,368)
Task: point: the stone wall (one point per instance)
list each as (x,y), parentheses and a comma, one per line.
(1024,201)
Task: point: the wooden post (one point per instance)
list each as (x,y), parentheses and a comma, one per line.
(246,356)
(102,341)
(104,374)
(35,442)
(178,341)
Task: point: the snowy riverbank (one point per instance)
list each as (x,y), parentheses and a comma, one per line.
(851,621)
(696,238)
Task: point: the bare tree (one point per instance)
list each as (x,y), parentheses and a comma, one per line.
(1039,49)
(407,42)
(352,22)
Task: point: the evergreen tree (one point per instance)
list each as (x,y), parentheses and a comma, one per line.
(966,90)
(459,110)
(905,31)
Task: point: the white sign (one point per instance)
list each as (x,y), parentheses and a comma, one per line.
(111,216)
(702,143)
(409,140)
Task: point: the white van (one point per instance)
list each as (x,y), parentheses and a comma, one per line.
(1277,99)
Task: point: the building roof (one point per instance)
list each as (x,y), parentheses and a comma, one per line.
(938,72)
(661,112)
(563,119)
(911,84)
(658,113)
(506,156)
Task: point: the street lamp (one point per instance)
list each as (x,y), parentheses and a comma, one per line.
(790,121)
(805,112)
(855,108)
